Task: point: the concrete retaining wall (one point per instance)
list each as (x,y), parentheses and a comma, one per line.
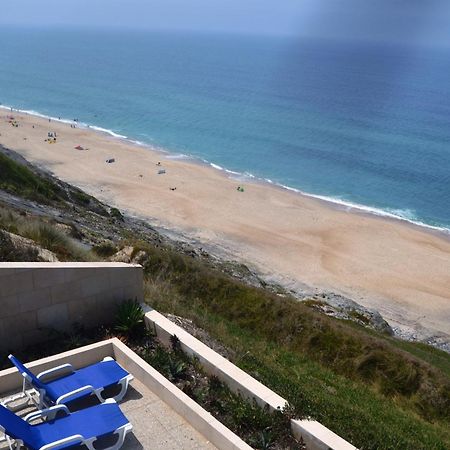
(314,434)
(36,297)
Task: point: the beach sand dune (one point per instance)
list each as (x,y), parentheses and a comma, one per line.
(400,269)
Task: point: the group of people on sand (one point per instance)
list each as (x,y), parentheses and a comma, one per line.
(51,137)
(13,122)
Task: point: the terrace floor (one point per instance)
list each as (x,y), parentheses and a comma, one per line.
(155,424)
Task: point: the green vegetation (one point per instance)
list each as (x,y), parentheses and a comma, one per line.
(48,237)
(26,182)
(20,180)
(129,318)
(81,198)
(358,316)
(365,386)
(259,427)
(44,234)
(372,389)
(105,249)
(313,303)
(116,214)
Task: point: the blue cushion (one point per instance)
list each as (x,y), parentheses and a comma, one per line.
(102,374)
(97,421)
(14,426)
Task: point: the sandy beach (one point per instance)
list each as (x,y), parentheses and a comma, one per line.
(401,270)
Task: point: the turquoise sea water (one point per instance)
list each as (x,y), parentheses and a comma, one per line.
(359,124)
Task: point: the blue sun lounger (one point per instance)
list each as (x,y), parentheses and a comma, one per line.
(73,429)
(68,384)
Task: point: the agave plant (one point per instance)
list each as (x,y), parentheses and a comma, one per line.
(265,441)
(129,318)
(177,369)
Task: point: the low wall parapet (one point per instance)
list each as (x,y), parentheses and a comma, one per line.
(36,297)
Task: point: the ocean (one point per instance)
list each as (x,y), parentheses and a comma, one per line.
(361,124)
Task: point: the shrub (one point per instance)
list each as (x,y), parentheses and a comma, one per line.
(50,238)
(46,236)
(129,318)
(9,221)
(81,198)
(105,249)
(116,214)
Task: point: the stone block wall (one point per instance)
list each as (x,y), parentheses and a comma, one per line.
(37,297)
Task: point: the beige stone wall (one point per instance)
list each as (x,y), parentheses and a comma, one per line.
(36,297)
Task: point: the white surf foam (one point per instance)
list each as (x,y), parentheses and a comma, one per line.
(178,156)
(62,120)
(35,113)
(406,215)
(222,169)
(107,131)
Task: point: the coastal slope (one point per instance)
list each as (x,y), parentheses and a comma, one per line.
(399,269)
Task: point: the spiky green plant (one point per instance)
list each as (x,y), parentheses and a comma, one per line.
(129,318)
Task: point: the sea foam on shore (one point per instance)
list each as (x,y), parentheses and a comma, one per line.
(405,215)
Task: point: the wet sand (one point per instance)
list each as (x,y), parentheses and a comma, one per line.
(401,270)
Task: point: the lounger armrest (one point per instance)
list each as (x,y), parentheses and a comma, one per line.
(48,413)
(85,389)
(53,371)
(64,442)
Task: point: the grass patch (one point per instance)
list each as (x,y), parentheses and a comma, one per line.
(105,249)
(259,427)
(81,198)
(313,303)
(45,235)
(358,383)
(433,356)
(356,315)
(20,180)
(363,416)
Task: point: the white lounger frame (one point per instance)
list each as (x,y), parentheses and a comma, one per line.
(50,414)
(41,403)
(26,395)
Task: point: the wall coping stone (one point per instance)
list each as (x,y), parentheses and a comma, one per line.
(62,265)
(315,435)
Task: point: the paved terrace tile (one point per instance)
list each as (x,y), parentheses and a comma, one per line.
(155,425)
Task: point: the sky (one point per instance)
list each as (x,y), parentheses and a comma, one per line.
(421,21)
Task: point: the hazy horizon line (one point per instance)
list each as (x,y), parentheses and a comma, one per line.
(223,32)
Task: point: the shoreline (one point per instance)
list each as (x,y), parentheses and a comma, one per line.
(391,265)
(244,177)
